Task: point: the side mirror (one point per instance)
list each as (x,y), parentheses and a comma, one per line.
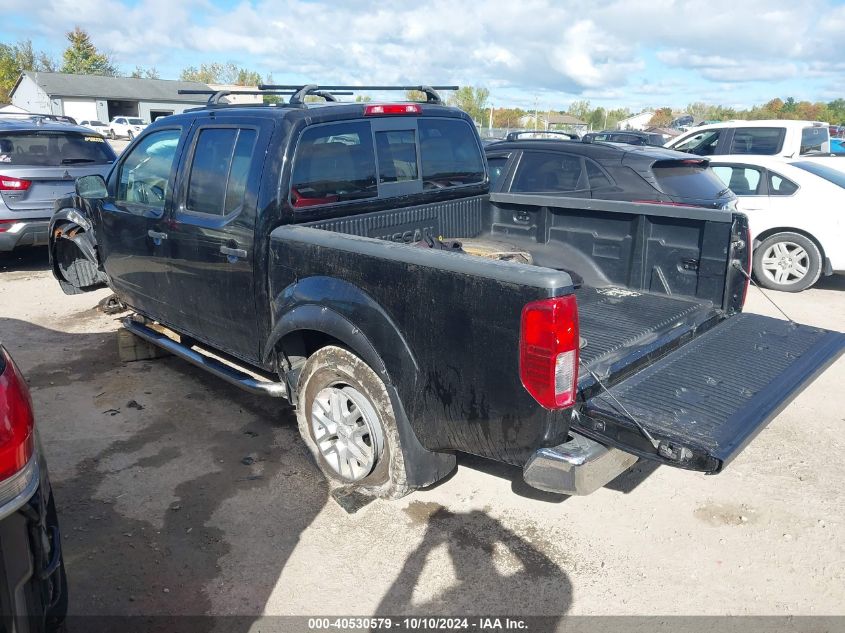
(91,187)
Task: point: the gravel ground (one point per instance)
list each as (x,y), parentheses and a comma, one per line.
(179,494)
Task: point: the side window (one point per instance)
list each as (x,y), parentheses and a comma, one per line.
(767,141)
(597,177)
(703,143)
(743,181)
(546,171)
(145,173)
(815,139)
(496,165)
(334,163)
(780,186)
(397,155)
(449,154)
(217,180)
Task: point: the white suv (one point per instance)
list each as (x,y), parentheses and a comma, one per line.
(789,139)
(123,126)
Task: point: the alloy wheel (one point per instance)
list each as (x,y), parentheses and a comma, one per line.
(785,263)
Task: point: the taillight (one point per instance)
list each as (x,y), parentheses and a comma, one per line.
(5,226)
(394,108)
(17,424)
(548,351)
(8,183)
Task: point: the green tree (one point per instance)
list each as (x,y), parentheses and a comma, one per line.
(145,73)
(81,57)
(216,73)
(363,98)
(580,110)
(415,95)
(16,58)
(473,101)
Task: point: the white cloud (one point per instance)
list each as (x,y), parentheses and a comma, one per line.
(590,47)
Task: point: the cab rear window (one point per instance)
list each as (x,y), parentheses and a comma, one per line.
(358,160)
(53,148)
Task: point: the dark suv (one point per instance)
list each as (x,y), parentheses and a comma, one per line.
(40,159)
(606,172)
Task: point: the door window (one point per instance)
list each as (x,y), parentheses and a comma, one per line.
(546,171)
(145,173)
(742,180)
(334,163)
(217,182)
(496,165)
(702,143)
(780,186)
(597,177)
(766,141)
(815,139)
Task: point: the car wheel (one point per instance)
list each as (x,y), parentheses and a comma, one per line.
(346,419)
(112,135)
(789,262)
(130,135)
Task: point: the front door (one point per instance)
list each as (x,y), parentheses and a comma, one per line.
(133,238)
(211,234)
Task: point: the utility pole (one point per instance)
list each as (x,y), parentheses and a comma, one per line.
(490,123)
(536,115)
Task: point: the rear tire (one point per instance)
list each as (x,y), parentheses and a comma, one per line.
(789,262)
(130,136)
(112,135)
(347,422)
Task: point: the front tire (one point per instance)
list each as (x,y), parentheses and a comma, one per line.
(789,262)
(130,136)
(112,135)
(347,422)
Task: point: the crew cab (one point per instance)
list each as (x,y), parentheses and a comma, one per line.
(350,258)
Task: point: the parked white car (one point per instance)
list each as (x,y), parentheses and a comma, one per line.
(97,126)
(795,213)
(789,139)
(126,127)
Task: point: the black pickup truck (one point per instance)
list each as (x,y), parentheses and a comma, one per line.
(308,251)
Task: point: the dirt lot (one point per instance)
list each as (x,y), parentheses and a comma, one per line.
(179,494)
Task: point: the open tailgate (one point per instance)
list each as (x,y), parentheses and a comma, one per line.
(705,401)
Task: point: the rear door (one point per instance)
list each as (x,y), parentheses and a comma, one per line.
(704,402)
(211,234)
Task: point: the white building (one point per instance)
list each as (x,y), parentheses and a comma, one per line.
(94,97)
(637,122)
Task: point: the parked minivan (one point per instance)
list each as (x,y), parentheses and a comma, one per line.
(764,138)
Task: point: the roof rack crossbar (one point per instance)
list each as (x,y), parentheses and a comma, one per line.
(430,92)
(215,96)
(37,115)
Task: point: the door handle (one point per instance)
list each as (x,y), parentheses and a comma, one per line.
(233,253)
(157,235)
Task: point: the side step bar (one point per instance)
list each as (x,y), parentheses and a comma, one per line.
(212,365)
(577,467)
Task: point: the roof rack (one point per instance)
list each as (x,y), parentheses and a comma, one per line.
(513,136)
(312,89)
(41,117)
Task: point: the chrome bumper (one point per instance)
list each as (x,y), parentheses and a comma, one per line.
(577,467)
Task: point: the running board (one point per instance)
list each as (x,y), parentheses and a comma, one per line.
(227,372)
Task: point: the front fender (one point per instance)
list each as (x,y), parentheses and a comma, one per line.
(72,223)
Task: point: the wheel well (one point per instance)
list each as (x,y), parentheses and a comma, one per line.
(786,229)
(299,345)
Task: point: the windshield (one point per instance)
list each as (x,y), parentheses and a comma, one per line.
(823,171)
(53,148)
(136,121)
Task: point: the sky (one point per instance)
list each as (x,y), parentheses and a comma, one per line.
(543,53)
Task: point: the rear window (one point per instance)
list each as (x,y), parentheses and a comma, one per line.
(449,154)
(334,163)
(815,139)
(823,171)
(688,181)
(766,141)
(51,148)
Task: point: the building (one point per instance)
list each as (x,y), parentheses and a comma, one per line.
(241,99)
(555,121)
(637,122)
(94,97)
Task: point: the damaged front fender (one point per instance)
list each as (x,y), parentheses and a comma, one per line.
(73,252)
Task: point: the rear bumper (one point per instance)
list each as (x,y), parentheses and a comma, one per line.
(577,467)
(24,233)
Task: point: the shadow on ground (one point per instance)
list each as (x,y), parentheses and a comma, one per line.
(28,259)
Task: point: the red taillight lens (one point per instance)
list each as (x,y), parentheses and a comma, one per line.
(8,183)
(5,226)
(548,351)
(394,108)
(17,423)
